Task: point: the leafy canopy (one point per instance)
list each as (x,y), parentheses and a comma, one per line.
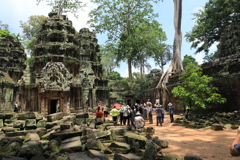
(188,59)
(31,29)
(195,91)
(211,21)
(125,22)
(4,32)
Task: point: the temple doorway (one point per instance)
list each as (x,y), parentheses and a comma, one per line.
(54,106)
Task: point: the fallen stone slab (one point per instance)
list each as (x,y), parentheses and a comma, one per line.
(41,131)
(80,121)
(79,156)
(128,156)
(83,115)
(19,124)
(101,134)
(54,117)
(98,154)
(32,136)
(94,144)
(31,124)
(16,134)
(99,121)
(27,115)
(71,145)
(55,123)
(119,147)
(1,123)
(133,137)
(5,157)
(46,136)
(10,129)
(190,157)
(66,125)
(7,115)
(69,133)
(217,127)
(41,123)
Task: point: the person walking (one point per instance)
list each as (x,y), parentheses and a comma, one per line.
(159,115)
(171,112)
(114,113)
(121,115)
(150,109)
(105,111)
(99,113)
(144,112)
(126,115)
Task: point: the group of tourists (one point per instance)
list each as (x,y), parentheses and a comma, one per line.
(138,114)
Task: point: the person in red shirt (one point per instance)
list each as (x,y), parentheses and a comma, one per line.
(99,113)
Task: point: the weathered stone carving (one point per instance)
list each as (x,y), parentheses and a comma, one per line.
(55,76)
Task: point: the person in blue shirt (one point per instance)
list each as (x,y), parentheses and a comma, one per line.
(171,112)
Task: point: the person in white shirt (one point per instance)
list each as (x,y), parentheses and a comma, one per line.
(139,122)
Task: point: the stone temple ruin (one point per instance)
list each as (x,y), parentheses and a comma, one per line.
(64,72)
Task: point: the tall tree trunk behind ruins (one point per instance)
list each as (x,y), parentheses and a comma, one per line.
(176,63)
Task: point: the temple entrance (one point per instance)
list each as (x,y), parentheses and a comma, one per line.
(54,106)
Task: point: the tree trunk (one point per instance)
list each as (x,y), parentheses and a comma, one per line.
(130,69)
(176,63)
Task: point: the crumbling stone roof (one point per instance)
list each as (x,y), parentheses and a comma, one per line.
(5,78)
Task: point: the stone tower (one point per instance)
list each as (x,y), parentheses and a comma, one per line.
(65,74)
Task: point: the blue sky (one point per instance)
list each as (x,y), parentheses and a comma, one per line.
(14,11)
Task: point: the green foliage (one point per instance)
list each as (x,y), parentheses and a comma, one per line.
(195,91)
(114,76)
(4,32)
(108,58)
(120,100)
(129,24)
(31,29)
(211,22)
(64,6)
(188,59)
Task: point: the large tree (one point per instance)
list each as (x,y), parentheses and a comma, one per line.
(64,6)
(211,22)
(176,64)
(119,20)
(31,29)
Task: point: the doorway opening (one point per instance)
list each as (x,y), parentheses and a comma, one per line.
(53,106)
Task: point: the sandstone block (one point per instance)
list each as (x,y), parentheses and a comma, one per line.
(19,124)
(54,117)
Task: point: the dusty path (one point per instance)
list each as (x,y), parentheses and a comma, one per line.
(206,143)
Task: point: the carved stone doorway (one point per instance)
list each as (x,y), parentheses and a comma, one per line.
(54,106)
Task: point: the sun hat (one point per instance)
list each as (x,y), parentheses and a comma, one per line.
(138,113)
(169,104)
(159,105)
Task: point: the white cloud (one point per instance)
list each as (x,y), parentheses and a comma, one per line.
(14,11)
(199,57)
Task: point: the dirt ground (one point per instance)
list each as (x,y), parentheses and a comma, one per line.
(206,143)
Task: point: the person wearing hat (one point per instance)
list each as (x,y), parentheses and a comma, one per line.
(159,112)
(171,112)
(144,110)
(126,115)
(139,122)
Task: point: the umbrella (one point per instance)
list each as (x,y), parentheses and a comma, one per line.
(117,105)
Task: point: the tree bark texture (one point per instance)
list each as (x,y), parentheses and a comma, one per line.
(130,69)
(176,63)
